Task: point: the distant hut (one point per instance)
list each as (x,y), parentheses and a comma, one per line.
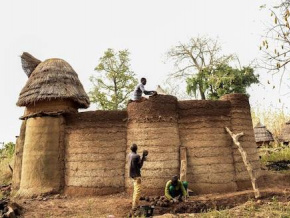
(285,134)
(262,135)
(51,91)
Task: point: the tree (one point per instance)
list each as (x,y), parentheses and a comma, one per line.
(222,80)
(7,151)
(190,59)
(114,80)
(276,45)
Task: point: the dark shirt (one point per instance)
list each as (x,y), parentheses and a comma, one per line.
(135,165)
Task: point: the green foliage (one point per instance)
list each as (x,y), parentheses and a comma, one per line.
(7,151)
(114,80)
(276,155)
(221,80)
(6,159)
(192,58)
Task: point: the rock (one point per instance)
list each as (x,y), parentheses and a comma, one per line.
(16,208)
(165,204)
(10,213)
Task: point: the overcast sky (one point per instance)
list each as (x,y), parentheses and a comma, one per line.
(80,31)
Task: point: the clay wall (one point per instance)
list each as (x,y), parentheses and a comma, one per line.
(42,162)
(153,126)
(95,152)
(87,153)
(241,121)
(210,166)
(17,166)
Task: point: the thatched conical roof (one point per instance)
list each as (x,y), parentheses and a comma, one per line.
(285,133)
(262,134)
(52,79)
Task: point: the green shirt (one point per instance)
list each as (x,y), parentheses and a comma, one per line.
(177,187)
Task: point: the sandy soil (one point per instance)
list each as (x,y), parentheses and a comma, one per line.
(119,205)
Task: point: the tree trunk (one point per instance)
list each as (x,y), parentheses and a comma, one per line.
(201,93)
(116,96)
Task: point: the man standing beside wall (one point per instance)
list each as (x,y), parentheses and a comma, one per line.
(135,165)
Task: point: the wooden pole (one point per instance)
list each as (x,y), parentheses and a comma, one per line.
(183,164)
(248,165)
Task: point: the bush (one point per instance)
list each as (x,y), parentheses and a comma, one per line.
(275,155)
(6,159)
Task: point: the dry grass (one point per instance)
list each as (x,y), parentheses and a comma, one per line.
(251,208)
(274,120)
(274,208)
(52,79)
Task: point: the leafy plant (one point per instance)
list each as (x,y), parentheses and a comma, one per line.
(221,80)
(114,80)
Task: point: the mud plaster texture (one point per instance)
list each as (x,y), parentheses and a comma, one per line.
(17,166)
(42,163)
(90,157)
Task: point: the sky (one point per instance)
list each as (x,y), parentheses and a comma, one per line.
(80,31)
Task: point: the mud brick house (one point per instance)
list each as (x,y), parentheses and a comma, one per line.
(85,153)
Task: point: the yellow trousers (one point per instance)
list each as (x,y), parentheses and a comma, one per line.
(137,192)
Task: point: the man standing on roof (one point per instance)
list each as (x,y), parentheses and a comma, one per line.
(135,165)
(137,94)
(175,189)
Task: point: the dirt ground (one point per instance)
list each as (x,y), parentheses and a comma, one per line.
(119,205)
(275,200)
(81,207)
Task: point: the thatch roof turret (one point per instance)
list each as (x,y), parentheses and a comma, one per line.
(285,133)
(29,63)
(52,79)
(262,134)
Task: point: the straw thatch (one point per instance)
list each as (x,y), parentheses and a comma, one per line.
(262,134)
(53,79)
(29,63)
(285,134)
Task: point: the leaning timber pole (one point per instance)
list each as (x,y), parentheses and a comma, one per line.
(248,165)
(183,164)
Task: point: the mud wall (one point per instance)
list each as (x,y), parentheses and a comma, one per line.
(95,152)
(241,121)
(64,105)
(17,166)
(153,126)
(210,165)
(42,163)
(87,153)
